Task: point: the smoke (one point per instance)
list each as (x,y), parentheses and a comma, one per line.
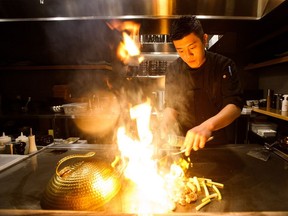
(77,42)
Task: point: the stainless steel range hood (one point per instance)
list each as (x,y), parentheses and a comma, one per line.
(58,10)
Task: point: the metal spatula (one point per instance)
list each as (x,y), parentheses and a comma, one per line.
(179,141)
(262,153)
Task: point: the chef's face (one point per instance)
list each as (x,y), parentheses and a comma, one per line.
(192,49)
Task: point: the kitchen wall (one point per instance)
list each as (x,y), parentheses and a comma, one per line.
(52,43)
(275,78)
(88,42)
(39,84)
(267,43)
(82,42)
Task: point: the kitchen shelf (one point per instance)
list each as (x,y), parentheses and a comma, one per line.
(268,37)
(277,37)
(267,63)
(272,112)
(60,67)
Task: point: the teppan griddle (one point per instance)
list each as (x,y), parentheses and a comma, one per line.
(251,186)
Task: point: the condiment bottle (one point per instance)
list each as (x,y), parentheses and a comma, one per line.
(3,141)
(32,143)
(23,138)
(285,103)
(278,101)
(269,93)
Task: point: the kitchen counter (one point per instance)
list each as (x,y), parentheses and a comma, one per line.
(252,186)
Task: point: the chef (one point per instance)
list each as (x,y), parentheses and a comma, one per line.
(203,92)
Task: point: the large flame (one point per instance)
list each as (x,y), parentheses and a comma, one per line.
(128,50)
(151,194)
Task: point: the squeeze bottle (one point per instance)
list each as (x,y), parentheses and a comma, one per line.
(32,143)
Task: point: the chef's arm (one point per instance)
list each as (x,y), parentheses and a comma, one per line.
(225,117)
(197,137)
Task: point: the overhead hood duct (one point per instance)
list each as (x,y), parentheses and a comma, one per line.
(59,10)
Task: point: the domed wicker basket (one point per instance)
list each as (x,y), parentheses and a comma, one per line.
(84,185)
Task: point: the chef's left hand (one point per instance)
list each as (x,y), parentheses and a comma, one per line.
(196,138)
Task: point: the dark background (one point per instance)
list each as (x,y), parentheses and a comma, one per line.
(86,42)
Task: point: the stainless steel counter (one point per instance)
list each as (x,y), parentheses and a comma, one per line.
(252,186)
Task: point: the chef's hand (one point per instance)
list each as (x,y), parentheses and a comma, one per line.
(196,138)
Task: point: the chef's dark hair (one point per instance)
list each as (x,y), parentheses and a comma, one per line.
(184,26)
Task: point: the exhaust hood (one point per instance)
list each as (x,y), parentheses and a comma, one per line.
(59,10)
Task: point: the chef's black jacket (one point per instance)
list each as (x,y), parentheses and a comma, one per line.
(198,94)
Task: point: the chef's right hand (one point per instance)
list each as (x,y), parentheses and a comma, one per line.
(196,138)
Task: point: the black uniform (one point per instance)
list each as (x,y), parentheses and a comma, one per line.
(198,94)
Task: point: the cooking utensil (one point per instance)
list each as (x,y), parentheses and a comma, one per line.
(180,141)
(169,156)
(57,109)
(83,185)
(262,153)
(179,152)
(177,141)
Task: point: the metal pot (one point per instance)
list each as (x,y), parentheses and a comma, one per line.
(84,185)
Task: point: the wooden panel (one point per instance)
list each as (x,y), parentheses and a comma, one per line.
(272,112)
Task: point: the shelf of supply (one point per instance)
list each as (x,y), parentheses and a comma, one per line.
(272,112)
(59,67)
(269,37)
(267,63)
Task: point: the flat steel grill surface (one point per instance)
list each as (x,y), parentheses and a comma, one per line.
(250,183)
